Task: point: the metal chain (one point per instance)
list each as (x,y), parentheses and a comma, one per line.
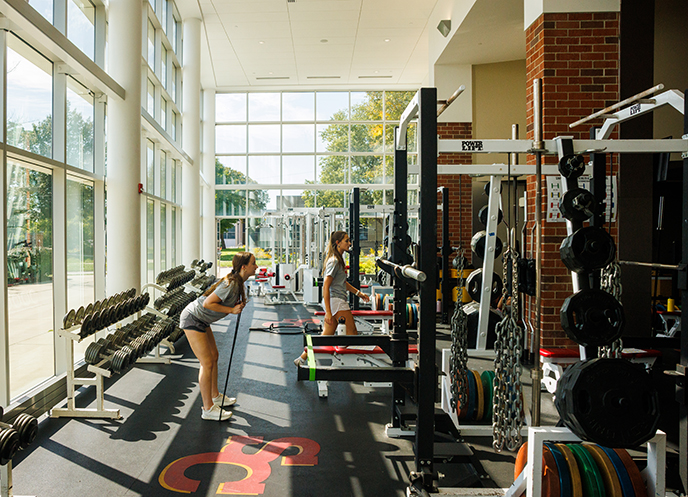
(507,413)
(610,282)
(458,364)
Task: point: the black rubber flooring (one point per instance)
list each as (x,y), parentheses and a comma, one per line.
(162,447)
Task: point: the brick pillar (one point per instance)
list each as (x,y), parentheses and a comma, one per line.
(459,185)
(576,55)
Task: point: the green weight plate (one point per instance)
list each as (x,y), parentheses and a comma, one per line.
(576,482)
(593,485)
(612,485)
(565,488)
(621,472)
(487,395)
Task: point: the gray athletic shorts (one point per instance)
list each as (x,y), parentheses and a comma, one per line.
(188,321)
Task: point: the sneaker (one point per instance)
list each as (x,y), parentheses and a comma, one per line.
(229,401)
(300,361)
(215,414)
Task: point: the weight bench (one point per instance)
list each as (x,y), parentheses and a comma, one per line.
(355,355)
(369,321)
(554,360)
(279,295)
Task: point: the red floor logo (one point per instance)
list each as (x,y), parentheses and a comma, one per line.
(257,465)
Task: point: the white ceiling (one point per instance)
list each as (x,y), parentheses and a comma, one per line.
(259,44)
(315,43)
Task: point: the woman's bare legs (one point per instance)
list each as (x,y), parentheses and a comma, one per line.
(204,348)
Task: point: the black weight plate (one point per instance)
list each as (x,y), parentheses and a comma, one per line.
(482,215)
(612,402)
(577,204)
(587,249)
(478,245)
(68,320)
(9,445)
(97,306)
(572,166)
(474,284)
(592,317)
(86,326)
(89,309)
(28,429)
(79,315)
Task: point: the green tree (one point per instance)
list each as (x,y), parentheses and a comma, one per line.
(234,201)
(368,137)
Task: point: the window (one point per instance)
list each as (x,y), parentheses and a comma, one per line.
(173,124)
(173,83)
(150,102)
(151,45)
(81,31)
(176,29)
(163,67)
(173,234)
(173,182)
(163,175)
(79,125)
(163,237)
(29,98)
(44,8)
(150,167)
(150,241)
(163,113)
(80,250)
(165,14)
(29,272)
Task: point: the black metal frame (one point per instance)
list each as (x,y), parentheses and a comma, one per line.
(355,253)
(683,286)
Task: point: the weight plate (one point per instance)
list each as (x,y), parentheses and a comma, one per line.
(621,472)
(86,326)
(572,166)
(9,445)
(79,315)
(482,215)
(480,397)
(562,470)
(486,380)
(587,249)
(592,317)
(633,473)
(89,310)
(590,475)
(68,320)
(612,402)
(576,482)
(478,244)
(97,306)
(612,485)
(28,429)
(472,388)
(577,204)
(474,285)
(550,476)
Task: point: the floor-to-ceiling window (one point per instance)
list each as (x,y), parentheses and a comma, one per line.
(277,151)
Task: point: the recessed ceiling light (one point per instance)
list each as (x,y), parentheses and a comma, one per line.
(261,42)
(324,40)
(386,40)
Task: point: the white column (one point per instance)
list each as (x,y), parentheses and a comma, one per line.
(124,149)
(209,236)
(191,101)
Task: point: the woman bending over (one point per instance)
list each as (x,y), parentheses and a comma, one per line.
(227,296)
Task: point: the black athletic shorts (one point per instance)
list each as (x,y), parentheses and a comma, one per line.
(188,321)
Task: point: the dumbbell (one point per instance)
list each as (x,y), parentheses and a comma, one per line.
(26,427)
(107,349)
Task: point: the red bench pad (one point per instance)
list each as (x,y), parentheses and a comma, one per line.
(277,286)
(413,349)
(567,353)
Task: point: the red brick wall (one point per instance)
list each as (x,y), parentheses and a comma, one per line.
(459,185)
(576,56)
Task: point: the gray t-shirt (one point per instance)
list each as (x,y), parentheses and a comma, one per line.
(229,295)
(338,287)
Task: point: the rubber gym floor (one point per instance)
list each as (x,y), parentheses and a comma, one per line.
(162,447)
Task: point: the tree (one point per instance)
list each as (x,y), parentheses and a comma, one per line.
(233,202)
(368,137)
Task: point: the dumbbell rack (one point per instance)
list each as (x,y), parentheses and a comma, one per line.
(72,382)
(165,342)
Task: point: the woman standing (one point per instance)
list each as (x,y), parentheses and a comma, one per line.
(227,296)
(335,287)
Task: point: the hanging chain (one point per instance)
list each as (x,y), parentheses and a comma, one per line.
(458,365)
(507,413)
(610,282)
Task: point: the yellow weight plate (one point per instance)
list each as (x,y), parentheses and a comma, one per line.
(612,485)
(576,482)
(480,396)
